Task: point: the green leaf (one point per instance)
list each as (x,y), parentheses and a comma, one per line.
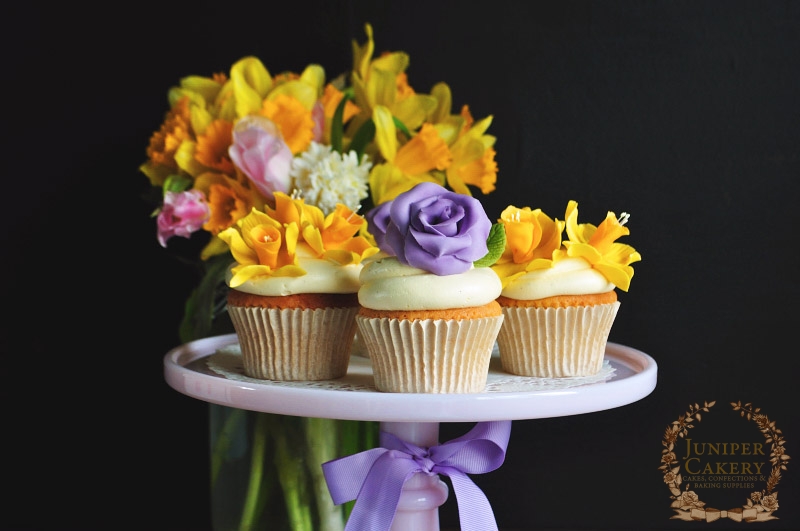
(177,183)
(496,242)
(207,301)
(401,126)
(337,126)
(363,136)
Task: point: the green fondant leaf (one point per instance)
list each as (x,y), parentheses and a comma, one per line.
(496,242)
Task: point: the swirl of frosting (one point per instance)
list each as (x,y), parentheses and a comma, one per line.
(387,284)
(568,276)
(322,276)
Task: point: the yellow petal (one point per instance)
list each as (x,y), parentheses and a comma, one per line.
(385,132)
(251,83)
(414,110)
(362,55)
(444,103)
(423,153)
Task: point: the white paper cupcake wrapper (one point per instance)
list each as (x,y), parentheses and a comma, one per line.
(430,355)
(295,344)
(555,342)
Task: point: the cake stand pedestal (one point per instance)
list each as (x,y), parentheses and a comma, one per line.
(210,370)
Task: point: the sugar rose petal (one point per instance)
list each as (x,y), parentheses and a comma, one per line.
(433,229)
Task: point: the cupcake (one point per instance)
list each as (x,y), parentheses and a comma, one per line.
(559,297)
(429,317)
(293,291)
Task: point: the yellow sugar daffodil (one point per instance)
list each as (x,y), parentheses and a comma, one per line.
(598,246)
(532,238)
(421,159)
(335,238)
(262,246)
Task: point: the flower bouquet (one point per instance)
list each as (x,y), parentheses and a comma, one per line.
(226,146)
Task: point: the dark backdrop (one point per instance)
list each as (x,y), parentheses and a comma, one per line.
(684,114)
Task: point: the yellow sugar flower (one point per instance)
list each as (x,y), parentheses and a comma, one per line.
(598,246)
(265,243)
(261,246)
(532,238)
(339,240)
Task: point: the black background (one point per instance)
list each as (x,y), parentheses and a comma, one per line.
(684,114)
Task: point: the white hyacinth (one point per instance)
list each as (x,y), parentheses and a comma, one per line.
(324,177)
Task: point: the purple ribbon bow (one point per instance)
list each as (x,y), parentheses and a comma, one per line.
(375,478)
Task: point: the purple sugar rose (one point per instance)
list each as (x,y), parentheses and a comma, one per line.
(432,228)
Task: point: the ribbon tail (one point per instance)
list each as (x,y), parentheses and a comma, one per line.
(376,504)
(474,510)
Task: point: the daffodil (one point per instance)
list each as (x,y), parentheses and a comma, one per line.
(382,81)
(421,159)
(598,246)
(262,246)
(532,238)
(473,159)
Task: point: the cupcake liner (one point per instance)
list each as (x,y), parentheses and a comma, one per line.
(294,344)
(555,342)
(429,355)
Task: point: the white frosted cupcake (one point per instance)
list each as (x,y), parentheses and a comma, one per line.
(559,298)
(429,317)
(293,296)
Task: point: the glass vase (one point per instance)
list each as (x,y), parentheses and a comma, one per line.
(266,469)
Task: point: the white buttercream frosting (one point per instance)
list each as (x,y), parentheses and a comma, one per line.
(322,276)
(568,276)
(387,284)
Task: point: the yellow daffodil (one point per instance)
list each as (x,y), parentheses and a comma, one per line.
(382,81)
(473,160)
(414,162)
(597,245)
(532,238)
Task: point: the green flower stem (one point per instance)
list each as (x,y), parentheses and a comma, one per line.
(291,473)
(254,500)
(322,444)
(222,444)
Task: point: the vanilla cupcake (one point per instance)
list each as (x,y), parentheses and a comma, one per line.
(559,297)
(429,317)
(294,289)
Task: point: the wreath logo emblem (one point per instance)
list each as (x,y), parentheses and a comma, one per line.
(761,505)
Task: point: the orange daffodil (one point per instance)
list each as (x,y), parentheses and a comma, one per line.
(266,243)
(534,241)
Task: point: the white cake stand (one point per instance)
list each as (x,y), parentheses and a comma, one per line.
(210,370)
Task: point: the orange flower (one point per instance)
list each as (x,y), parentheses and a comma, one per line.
(293,119)
(212,146)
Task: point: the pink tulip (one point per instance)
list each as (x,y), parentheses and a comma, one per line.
(258,150)
(182,214)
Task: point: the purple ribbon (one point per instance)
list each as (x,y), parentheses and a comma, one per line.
(375,478)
